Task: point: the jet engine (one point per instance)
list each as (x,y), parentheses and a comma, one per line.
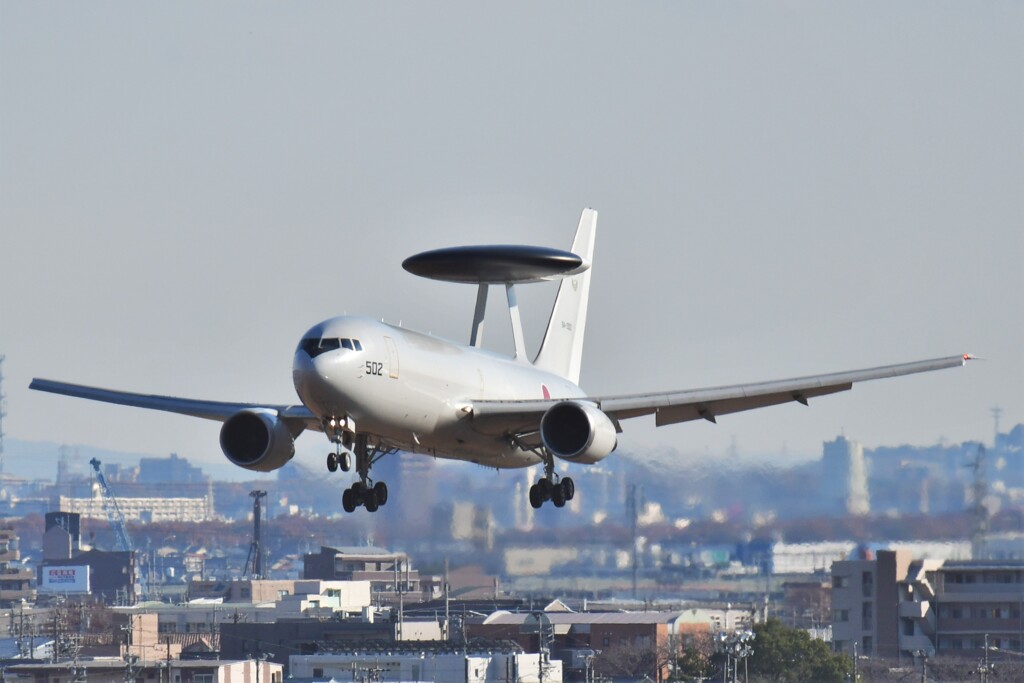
(257,440)
(578,431)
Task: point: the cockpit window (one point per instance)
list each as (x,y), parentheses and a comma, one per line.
(314,347)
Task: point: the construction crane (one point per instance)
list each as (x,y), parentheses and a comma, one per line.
(116,519)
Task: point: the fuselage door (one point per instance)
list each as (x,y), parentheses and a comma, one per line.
(389,344)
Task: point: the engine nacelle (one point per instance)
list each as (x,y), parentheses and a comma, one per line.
(257,440)
(578,432)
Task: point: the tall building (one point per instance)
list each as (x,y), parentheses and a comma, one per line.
(845,477)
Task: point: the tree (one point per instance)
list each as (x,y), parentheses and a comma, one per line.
(694,662)
(789,655)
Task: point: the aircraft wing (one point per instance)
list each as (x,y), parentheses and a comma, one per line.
(210,410)
(523,417)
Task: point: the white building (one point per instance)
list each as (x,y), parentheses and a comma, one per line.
(434,662)
(141,509)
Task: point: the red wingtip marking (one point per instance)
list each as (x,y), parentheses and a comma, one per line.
(544,388)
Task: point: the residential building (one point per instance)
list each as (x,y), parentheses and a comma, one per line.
(894,606)
(576,637)
(15,580)
(115,670)
(865,600)
(148,509)
(305,596)
(439,662)
(390,574)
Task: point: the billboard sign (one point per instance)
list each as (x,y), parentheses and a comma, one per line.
(65,579)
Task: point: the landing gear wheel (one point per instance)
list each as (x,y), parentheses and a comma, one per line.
(370,501)
(545,486)
(568,488)
(348,502)
(380,492)
(558,496)
(344,461)
(536,498)
(332,462)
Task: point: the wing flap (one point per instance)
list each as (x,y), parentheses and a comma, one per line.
(709,410)
(512,417)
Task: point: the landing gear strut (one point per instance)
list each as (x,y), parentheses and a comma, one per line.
(364,492)
(559,490)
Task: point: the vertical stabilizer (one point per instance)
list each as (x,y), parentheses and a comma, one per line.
(561,352)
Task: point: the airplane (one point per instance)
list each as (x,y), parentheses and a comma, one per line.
(375,389)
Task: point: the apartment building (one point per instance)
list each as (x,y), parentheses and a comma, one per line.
(892,606)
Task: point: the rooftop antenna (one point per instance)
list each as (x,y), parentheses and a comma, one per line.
(254,563)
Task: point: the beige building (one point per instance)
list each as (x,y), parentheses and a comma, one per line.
(115,670)
(390,574)
(894,606)
(15,580)
(141,509)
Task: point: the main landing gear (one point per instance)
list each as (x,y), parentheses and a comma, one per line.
(559,490)
(365,492)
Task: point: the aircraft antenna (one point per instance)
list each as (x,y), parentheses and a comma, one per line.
(254,562)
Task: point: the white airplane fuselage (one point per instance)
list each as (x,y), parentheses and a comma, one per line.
(414,390)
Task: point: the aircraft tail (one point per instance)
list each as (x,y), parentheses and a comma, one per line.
(561,352)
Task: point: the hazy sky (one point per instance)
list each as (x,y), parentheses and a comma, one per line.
(784,188)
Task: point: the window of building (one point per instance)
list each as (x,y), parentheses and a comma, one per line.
(867,583)
(840,615)
(202,678)
(868,645)
(840,581)
(318,673)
